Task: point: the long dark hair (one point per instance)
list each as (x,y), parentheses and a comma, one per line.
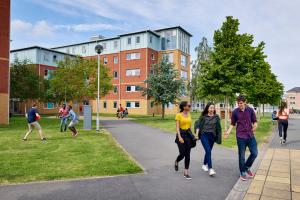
(182,105)
(205,111)
(282,106)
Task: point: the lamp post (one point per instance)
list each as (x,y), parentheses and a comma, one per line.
(98,49)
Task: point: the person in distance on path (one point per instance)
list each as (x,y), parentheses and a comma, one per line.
(283,123)
(244,119)
(209,131)
(74,121)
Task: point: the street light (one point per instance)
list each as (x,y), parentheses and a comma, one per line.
(98,49)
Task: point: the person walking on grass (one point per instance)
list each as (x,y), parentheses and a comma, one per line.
(185,139)
(283,123)
(63,113)
(209,131)
(74,121)
(244,119)
(32,117)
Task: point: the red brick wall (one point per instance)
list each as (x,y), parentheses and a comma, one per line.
(4,44)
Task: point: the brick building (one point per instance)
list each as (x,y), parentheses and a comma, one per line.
(293,98)
(129,58)
(4,60)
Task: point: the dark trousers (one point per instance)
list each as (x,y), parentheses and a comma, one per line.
(242,145)
(184,150)
(283,126)
(207,140)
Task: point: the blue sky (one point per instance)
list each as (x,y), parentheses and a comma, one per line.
(56,22)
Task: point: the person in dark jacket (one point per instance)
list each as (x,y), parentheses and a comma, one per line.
(209,131)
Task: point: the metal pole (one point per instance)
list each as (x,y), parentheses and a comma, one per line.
(98,95)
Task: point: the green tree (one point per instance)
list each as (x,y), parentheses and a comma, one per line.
(164,85)
(224,75)
(76,80)
(24,81)
(203,51)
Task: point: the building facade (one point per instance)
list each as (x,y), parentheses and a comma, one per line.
(293,98)
(45,61)
(129,58)
(4,60)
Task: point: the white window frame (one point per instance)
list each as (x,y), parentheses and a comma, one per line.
(137,39)
(133,72)
(116,59)
(115,73)
(183,74)
(129,41)
(133,104)
(105,60)
(133,56)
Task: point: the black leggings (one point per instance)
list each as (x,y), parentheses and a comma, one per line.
(283,125)
(184,151)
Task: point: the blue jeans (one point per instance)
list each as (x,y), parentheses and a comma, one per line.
(242,145)
(63,124)
(207,140)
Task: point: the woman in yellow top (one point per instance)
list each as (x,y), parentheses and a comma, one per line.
(184,137)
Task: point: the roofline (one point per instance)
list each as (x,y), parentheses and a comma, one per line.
(39,47)
(179,27)
(88,42)
(145,31)
(295,89)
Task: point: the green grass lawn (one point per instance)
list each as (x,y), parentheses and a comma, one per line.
(168,124)
(61,156)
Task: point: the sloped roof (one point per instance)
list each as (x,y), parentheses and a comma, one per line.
(295,89)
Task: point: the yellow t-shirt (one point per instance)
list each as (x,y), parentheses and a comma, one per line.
(184,122)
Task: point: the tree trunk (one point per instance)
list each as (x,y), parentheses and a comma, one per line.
(263,109)
(163,111)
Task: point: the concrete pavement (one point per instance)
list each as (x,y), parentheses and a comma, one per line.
(156,151)
(278,175)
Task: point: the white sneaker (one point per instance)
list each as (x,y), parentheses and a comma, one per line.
(281,140)
(212,172)
(205,168)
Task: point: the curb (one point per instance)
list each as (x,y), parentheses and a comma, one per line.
(239,190)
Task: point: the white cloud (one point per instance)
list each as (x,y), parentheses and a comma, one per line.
(88,27)
(20,26)
(43,29)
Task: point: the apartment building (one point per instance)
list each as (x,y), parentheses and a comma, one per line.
(293,98)
(129,58)
(4,60)
(46,61)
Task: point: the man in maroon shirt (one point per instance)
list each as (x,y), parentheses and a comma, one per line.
(244,119)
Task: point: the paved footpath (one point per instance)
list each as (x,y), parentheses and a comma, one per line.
(156,151)
(278,175)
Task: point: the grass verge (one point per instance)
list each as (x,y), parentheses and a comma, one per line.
(61,156)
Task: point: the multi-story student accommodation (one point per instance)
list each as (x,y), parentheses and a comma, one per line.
(45,61)
(129,58)
(293,98)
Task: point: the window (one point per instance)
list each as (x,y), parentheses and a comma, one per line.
(49,105)
(115,89)
(116,59)
(133,88)
(132,104)
(68,50)
(115,44)
(129,40)
(151,72)
(115,74)
(183,61)
(169,57)
(104,104)
(73,50)
(46,72)
(169,40)
(183,74)
(137,39)
(83,49)
(105,61)
(104,45)
(292,97)
(132,56)
(151,38)
(115,104)
(133,72)
(54,58)
(152,56)
(46,57)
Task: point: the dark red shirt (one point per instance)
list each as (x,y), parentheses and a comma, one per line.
(243,120)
